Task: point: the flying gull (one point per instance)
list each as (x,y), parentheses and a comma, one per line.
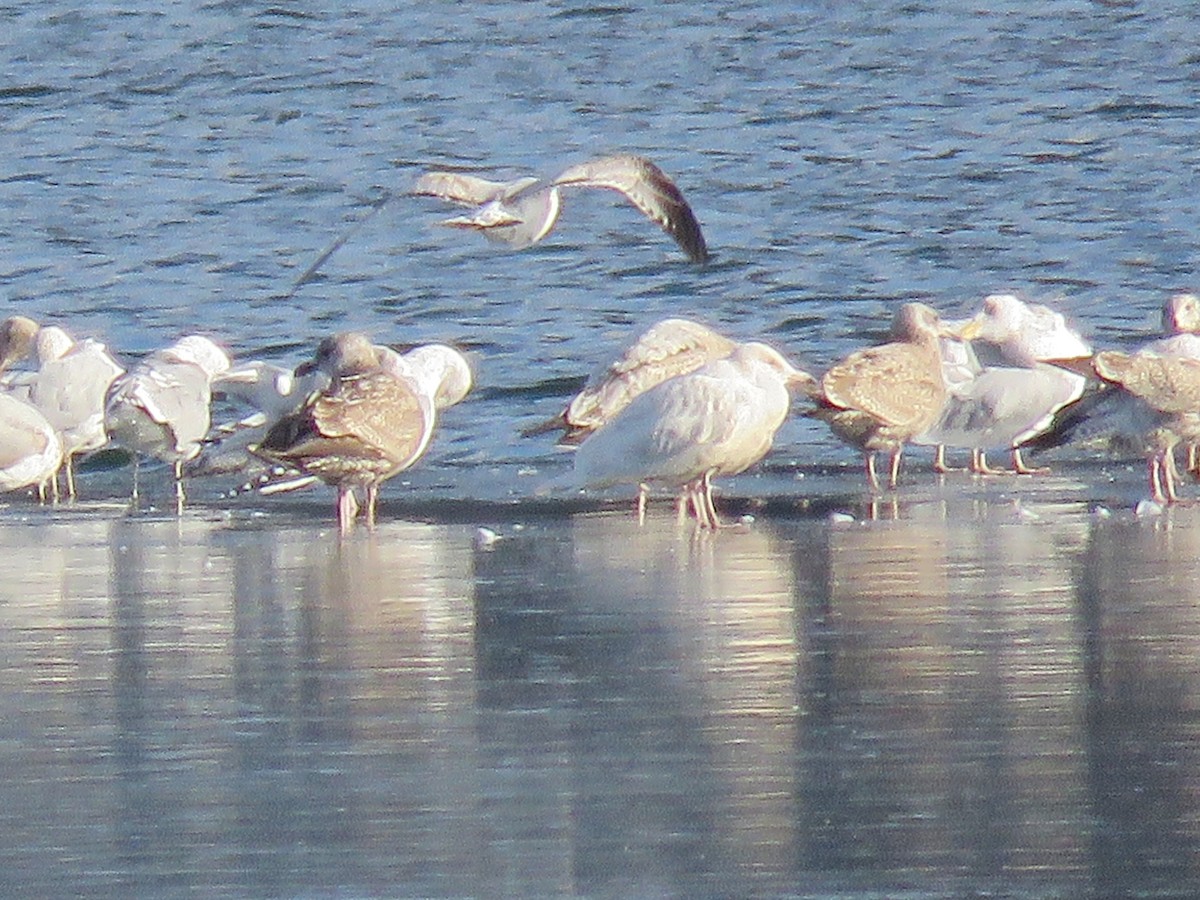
(522,212)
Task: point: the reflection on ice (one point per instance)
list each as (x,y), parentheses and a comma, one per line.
(946,696)
(965,697)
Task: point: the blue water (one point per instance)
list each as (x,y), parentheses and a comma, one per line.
(566,716)
(165,170)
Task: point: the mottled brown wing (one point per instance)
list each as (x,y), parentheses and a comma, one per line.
(666,350)
(1168,384)
(898,384)
(377,411)
(648,188)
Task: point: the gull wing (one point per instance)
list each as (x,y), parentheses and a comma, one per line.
(468,190)
(668,348)
(648,188)
(1168,384)
(897,384)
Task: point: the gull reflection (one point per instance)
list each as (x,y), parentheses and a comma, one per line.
(344,677)
(936,639)
(721,607)
(1137,589)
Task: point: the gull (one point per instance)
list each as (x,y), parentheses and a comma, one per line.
(161,407)
(366,426)
(1169,389)
(271,391)
(879,398)
(1181,327)
(1114,417)
(1008,404)
(667,349)
(520,213)
(717,420)
(17,336)
(68,387)
(438,372)
(31,451)
(1026,333)
(260,393)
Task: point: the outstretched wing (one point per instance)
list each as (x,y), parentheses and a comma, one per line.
(458,187)
(648,188)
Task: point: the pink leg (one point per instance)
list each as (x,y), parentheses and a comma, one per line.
(939,461)
(872,477)
(372,496)
(1156,487)
(979,464)
(347,508)
(710,508)
(1021,468)
(1170,474)
(894,471)
(696,502)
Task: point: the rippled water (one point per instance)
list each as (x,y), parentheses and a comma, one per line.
(168,169)
(990,689)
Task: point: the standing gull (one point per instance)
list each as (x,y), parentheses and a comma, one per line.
(667,349)
(1169,388)
(520,213)
(881,397)
(1110,417)
(68,387)
(1181,338)
(31,451)
(161,408)
(717,420)
(1007,404)
(365,427)
(438,372)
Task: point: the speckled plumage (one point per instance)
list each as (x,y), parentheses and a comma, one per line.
(880,397)
(365,427)
(667,349)
(1170,388)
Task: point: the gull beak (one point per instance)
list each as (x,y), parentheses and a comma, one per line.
(800,382)
(1080,365)
(963,329)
